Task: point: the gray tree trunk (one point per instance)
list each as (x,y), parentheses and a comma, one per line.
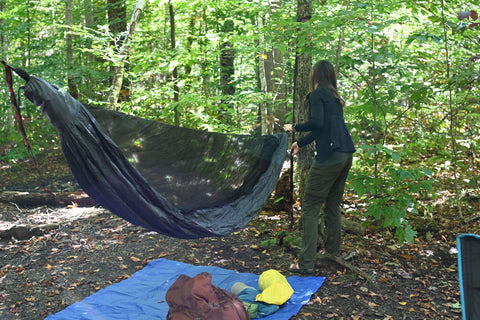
(117,81)
(303,67)
(72,83)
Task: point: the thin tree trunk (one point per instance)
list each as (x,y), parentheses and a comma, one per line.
(87,7)
(272,80)
(263,106)
(278,81)
(303,66)
(3,38)
(117,19)
(202,44)
(117,81)
(452,117)
(29,36)
(371,80)
(89,24)
(227,59)
(188,46)
(262,82)
(72,84)
(7,119)
(340,44)
(227,71)
(173,46)
(280,105)
(266,68)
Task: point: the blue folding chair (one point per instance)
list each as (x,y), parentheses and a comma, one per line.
(469,275)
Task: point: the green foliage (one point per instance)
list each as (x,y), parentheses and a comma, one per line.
(393,194)
(292,239)
(391,55)
(40,134)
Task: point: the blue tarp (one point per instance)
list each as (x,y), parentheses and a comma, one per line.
(142,296)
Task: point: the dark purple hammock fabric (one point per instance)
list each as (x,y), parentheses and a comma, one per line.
(179,182)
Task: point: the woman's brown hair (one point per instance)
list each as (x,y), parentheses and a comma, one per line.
(323,75)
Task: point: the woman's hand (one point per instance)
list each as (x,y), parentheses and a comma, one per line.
(295,148)
(288,128)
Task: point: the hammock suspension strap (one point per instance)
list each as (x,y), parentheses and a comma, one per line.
(18,115)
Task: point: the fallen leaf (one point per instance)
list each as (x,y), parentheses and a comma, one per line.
(163,254)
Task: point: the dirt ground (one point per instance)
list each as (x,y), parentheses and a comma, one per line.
(78,250)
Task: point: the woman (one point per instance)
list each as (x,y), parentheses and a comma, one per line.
(328,174)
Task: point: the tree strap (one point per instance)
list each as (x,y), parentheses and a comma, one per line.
(18,115)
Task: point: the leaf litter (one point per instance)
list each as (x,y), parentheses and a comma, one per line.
(90,249)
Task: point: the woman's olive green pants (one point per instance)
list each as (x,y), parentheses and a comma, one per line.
(325,186)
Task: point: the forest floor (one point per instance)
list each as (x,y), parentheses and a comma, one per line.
(84,249)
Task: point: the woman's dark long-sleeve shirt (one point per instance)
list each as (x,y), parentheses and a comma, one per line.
(325,125)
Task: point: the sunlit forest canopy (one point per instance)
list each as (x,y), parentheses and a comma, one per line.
(408,71)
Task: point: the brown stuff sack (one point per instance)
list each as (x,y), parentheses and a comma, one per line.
(198,299)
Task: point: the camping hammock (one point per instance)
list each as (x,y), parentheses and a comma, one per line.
(180,182)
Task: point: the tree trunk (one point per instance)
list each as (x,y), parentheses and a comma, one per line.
(277,82)
(72,83)
(303,66)
(261,69)
(227,71)
(263,106)
(176,89)
(227,59)
(35,199)
(188,46)
(117,81)
(117,20)
(87,7)
(3,38)
(452,116)
(341,38)
(272,80)
(89,58)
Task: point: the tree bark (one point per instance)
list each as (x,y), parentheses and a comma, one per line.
(3,38)
(272,80)
(117,19)
(276,82)
(117,81)
(227,71)
(72,83)
(89,58)
(34,199)
(227,59)
(303,66)
(263,106)
(173,45)
(188,46)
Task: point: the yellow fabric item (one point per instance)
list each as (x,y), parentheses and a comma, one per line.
(275,288)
